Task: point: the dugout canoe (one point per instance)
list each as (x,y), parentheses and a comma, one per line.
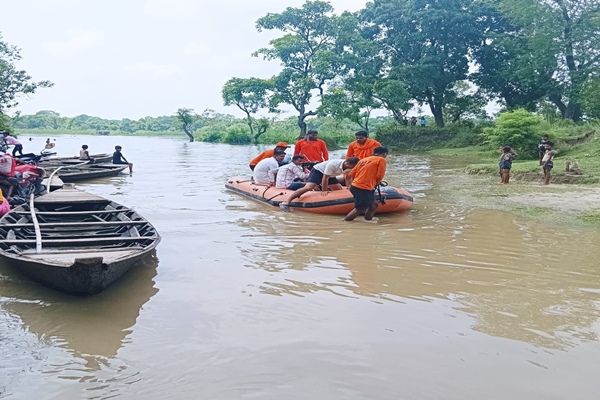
(75,241)
(337,202)
(98,158)
(88,171)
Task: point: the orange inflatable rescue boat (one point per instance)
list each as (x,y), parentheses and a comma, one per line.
(336,202)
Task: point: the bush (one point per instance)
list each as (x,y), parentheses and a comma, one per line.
(237,134)
(518,129)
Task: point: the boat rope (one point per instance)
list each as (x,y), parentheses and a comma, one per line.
(278,194)
(52,176)
(36,225)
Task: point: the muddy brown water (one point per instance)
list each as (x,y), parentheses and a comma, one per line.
(242,301)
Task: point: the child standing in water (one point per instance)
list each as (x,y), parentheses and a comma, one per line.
(547,162)
(505,164)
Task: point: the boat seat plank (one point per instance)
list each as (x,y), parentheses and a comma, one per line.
(85,240)
(62,213)
(77,224)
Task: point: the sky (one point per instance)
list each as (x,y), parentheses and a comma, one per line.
(119,59)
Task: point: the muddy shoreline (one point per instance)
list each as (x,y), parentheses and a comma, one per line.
(525,195)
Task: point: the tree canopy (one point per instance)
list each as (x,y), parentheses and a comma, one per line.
(14,83)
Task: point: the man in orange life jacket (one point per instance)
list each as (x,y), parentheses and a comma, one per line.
(367,174)
(314,149)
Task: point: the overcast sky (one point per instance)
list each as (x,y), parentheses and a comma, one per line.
(135,58)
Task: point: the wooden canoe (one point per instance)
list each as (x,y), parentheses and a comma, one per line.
(339,202)
(87,171)
(98,158)
(75,241)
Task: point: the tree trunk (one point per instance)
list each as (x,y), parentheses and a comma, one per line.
(437,109)
(302,126)
(573,112)
(190,134)
(557,100)
(249,118)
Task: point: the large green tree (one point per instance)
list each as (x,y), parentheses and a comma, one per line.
(306,52)
(566,33)
(249,95)
(426,44)
(14,82)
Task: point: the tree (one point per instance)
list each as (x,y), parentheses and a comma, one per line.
(464,101)
(591,98)
(14,83)
(426,45)
(249,95)
(187,117)
(567,31)
(306,52)
(512,64)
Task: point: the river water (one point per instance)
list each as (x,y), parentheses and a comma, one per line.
(242,301)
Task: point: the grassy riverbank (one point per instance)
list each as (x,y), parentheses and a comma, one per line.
(572,198)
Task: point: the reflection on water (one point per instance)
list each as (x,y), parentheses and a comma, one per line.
(92,329)
(443,301)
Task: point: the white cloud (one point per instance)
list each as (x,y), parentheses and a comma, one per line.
(78,40)
(172,8)
(194,48)
(154,70)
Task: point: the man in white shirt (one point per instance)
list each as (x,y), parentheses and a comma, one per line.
(265,171)
(292,175)
(324,175)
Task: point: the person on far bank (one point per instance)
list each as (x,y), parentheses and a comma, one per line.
(323,174)
(281,146)
(291,176)
(119,158)
(311,147)
(367,174)
(11,141)
(265,171)
(548,162)
(84,154)
(505,164)
(545,139)
(423,122)
(363,146)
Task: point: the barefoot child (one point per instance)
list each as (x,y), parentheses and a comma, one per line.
(505,164)
(547,162)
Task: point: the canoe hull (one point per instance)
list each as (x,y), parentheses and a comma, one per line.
(75,241)
(337,202)
(81,278)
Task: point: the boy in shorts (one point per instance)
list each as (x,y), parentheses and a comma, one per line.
(547,162)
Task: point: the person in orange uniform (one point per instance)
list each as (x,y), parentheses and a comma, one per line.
(365,177)
(363,146)
(281,146)
(312,148)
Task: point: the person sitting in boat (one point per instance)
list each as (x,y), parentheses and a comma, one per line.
(363,146)
(281,146)
(119,158)
(292,175)
(84,154)
(266,170)
(323,175)
(311,147)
